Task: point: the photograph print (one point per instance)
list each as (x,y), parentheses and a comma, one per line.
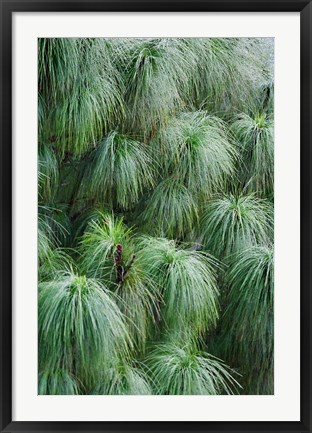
(155,216)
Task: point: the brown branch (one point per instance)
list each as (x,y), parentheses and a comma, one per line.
(118,264)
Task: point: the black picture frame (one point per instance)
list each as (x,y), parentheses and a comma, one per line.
(7,9)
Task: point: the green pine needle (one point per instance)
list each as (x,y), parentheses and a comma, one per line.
(187,371)
(119,171)
(79,323)
(231,223)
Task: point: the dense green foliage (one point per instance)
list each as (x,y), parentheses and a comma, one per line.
(155,218)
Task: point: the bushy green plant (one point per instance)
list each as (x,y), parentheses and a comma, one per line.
(57,382)
(256,137)
(155,217)
(79,323)
(171,210)
(187,279)
(123,379)
(234,222)
(119,171)
(251,282)
(196,149)
(187,371)
(81,92)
